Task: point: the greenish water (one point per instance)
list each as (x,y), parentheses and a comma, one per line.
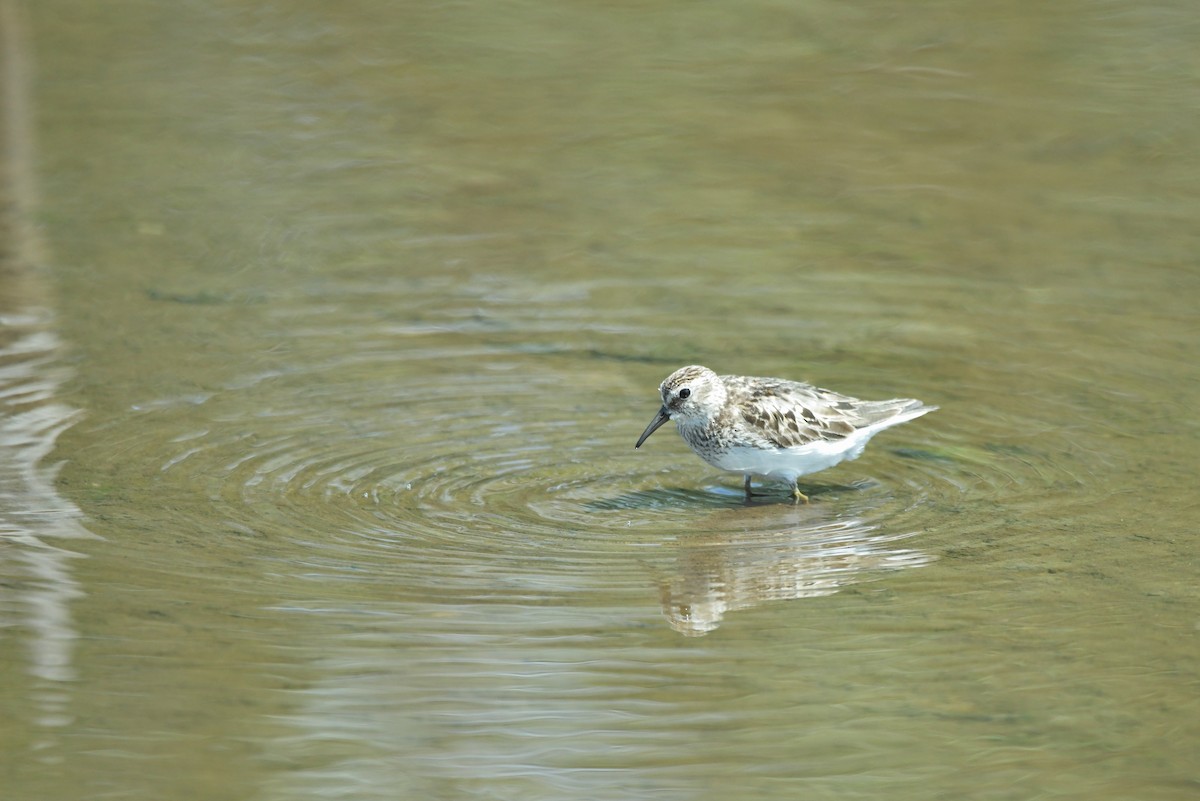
(328,330)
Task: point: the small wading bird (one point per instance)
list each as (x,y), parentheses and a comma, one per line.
(771,427)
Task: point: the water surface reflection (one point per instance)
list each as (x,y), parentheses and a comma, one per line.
(365,303)
(36,522)
(715,574)
(37,579)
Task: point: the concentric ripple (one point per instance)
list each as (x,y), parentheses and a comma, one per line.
(451,455)
(437,476)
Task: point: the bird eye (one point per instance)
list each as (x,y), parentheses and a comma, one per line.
(685,393)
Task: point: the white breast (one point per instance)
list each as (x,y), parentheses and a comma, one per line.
(789,463)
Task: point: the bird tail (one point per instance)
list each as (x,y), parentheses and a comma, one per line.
(883,414)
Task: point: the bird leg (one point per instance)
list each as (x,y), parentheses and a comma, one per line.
(747,487)
(797,495)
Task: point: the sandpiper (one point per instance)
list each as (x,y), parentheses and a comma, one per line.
(771,427)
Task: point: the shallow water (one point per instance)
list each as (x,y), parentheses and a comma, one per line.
(328,331)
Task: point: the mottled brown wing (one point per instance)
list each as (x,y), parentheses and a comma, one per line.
(788,413)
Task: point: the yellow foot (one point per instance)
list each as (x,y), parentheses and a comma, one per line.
(798,496)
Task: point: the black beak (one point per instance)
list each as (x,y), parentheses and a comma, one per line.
(658,420)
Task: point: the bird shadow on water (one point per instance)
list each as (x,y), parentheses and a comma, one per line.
(664,498)
(719,496)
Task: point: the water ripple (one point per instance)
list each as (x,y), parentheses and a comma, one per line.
(453,456)
(439,480)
